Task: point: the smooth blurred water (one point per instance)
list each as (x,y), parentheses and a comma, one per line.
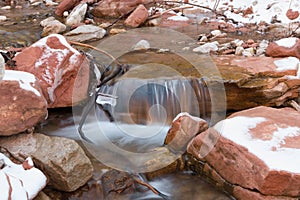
(2,67)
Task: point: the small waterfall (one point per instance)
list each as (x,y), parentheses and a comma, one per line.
(158,101)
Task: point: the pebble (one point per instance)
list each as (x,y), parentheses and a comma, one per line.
(249,52)
(114,31)
(239,50)
(207,48)
(237,42)
(141,45)
(216,33)
(6,7)
(3,18)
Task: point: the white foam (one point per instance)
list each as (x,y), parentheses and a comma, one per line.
(237,130)
(25,79)
(287,42)
(290,63)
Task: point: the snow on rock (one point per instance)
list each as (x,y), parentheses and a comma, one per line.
(178,18)
(287,42)
(290,63)
(18,183)
(26,80)
(284,47)
(256,150)
(239,10)
(22,104)
(57,65)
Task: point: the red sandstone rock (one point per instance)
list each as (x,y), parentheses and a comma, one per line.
(56,65)
(284,48)
(292,14)
(138,17)
(183,129)
(116,8)
(248,11)
(65,5)
(251,149)
(254,81)
(22,104)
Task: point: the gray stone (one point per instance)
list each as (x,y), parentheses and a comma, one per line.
(51,26)
(77,15)
(86,33)
(141,45)
(206,48)
(61,159)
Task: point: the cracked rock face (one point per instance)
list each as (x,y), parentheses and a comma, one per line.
(255,151)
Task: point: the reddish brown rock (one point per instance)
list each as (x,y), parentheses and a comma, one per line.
(22,104)
(248,11)
(56,65)
(183,129)
(65,5)
(138,17)
(284,48)
(253,81)
(292,14)
(116,8)
(252,150)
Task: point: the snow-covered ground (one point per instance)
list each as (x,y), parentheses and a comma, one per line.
(263,10)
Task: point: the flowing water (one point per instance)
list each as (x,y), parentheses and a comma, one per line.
(178,185)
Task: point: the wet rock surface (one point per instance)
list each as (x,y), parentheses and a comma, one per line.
(62,160)
(241,150)
(22,104)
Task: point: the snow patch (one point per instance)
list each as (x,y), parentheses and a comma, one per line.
(287,42)
(25,79)
(182,114)
(237,129)
(178,18)
(23,184)
(290,63)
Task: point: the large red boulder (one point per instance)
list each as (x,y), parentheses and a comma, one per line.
(22,104)
(284,47)
(256,150)
(56,65)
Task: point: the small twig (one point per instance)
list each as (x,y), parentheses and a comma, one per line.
(295,105)
(216,5)
(96,49)
(146,185)
(107,95)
